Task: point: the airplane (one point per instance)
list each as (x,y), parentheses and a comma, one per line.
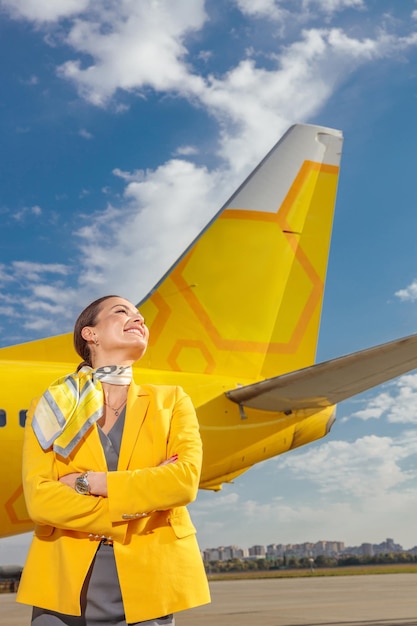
(235,322)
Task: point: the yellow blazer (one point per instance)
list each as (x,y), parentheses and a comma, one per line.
(158,559)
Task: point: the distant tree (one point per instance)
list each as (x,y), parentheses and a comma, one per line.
(349,560)
(324,561)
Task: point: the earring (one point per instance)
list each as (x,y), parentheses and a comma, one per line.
(95,341)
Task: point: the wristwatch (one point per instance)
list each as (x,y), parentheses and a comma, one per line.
(82,485)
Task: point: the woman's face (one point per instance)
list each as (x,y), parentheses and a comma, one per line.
(119,335)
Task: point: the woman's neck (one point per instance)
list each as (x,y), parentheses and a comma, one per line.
(105,361)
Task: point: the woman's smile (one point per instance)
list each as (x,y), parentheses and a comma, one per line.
(135,330)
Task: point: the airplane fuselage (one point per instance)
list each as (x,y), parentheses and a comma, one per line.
(234,437)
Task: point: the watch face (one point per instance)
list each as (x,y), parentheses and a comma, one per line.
(81,485)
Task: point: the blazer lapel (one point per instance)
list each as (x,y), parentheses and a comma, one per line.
(92,442)
(136,409)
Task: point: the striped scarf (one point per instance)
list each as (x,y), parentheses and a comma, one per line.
(70,406)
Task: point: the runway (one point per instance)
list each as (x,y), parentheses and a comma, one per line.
(375,600)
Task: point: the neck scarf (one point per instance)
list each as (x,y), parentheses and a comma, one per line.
(72,404)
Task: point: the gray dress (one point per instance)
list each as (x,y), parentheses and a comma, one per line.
(101,599)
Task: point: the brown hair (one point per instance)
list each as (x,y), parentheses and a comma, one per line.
(87,317)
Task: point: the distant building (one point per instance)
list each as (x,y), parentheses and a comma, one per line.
(257,551)
(274,551)
(223,553)
(367,549)
(301,550)
(329,548)
(388,545)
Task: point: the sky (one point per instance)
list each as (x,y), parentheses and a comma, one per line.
(120,116)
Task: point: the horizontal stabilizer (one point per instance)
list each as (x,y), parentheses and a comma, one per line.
(331,382)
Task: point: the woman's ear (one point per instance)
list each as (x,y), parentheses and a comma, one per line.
(87,333)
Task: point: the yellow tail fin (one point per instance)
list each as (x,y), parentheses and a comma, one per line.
(245,298)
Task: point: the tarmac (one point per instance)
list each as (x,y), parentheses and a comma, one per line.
(374,600)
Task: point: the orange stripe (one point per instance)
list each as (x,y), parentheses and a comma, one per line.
(191,343)
(9,506)
(163,313)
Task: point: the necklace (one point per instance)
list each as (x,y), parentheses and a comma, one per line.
(116,411)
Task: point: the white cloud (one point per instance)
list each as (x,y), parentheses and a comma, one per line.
(32,80)
(404,409)
(367,467)
(38,295)
(44,307)
(134,45)
(409,294)
(332,6)
(399,405)
(178,195)
(186,151)
(85,134)
(44,10)
(7,311)
(136,175)
(23,213)
(4,274)
(376,407)
(253,104)
(300,10)
(271,9)
(138,46)
(33,271)
(205,55)
(218,500)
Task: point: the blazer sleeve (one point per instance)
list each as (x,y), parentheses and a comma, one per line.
(52,503)
(138,492)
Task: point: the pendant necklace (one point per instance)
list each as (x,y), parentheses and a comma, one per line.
(116,411)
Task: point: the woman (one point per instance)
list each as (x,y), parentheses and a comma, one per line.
(108,469)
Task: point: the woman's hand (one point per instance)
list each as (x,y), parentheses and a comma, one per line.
(98,483)
(69,480)
(96,480)
(171,459)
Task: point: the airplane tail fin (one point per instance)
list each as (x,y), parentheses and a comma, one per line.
(245,298)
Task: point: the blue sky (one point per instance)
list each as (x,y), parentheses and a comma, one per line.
(119,116)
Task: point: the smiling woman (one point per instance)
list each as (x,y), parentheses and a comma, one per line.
(108,469)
